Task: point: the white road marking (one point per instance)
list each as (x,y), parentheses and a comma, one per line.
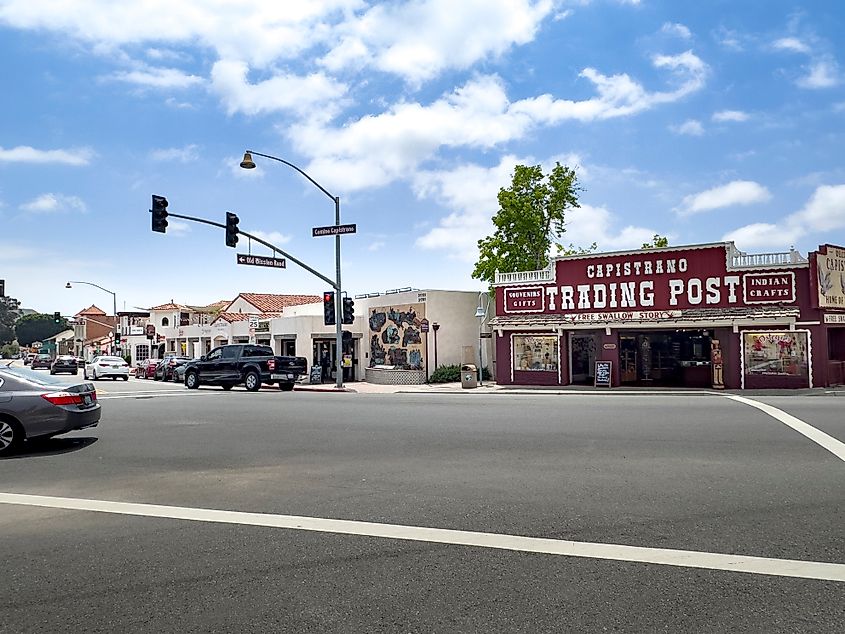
(616,552)
(822,439)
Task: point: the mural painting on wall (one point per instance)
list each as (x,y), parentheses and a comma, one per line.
(395,337)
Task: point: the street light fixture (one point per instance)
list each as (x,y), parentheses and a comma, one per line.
(480,313)
(248,163)
(114,309)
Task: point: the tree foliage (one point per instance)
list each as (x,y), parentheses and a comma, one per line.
(38,327)
(530,218)
(657,242)
(8,314)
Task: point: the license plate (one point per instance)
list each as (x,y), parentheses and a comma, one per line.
(287,377)
(86,399)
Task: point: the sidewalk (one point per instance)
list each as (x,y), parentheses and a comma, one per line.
(362,387)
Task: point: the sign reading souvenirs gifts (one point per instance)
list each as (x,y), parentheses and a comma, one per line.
(649,285)
(828,271)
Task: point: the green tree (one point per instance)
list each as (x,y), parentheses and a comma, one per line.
(530,218)
(38,327)
(657,242)
(8,315)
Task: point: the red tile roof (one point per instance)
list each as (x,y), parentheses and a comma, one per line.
(268,303)
(91,310)
(232,317)
(169,306)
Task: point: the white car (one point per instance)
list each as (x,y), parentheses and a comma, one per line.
(106,367)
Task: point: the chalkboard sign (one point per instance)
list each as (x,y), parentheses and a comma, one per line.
(603,373)
(316,375)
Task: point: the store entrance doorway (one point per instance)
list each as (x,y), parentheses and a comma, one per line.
(582,346)
(350,358)
(676,358)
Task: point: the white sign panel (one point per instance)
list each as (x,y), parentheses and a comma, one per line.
(834,318)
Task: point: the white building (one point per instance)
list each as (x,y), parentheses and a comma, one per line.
(388,331)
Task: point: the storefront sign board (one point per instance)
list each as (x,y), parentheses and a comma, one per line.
(527,299)
(830,276)
(769,288)
(834,318)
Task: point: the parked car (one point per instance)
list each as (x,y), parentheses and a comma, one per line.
(179,372)
(149,368)
(106,368)
(164,369)
(28,357)
(35,406)
(64,363)
(246,364)
(42,360)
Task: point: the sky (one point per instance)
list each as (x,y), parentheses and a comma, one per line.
(700,121)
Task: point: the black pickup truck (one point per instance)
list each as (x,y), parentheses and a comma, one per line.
(246,364)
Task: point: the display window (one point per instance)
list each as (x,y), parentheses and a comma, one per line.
(535,353)
(784,353)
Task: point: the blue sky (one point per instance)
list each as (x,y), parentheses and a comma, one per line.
(702,121)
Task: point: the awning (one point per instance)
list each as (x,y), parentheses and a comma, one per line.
(694,318)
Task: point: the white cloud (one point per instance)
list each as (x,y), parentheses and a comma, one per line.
(734,193)
(26,154)
(418,40)
(730,115)
(273,237)
(471,191)
(185,154)
(378,149)
(152,77)
(690,127)
(822,73)
(676,29)
(280,92)
(378,245)
(760,235)
(177,227)
(791,44)
(824,211)
(588,224)
(54,203)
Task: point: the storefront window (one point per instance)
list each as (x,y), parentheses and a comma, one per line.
(776,352)
(535,353)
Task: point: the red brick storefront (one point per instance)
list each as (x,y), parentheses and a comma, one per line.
(694,316)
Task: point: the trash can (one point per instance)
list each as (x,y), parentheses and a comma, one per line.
(469,376)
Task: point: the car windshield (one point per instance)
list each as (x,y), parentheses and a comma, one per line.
(29,376)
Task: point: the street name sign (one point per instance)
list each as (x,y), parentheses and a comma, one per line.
(333,230)
(260,260)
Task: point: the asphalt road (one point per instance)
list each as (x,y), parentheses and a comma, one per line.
(694,473)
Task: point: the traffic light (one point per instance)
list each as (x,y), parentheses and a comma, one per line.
(231,229)
(57,317)
(348,311)
(329,317)
(159,213)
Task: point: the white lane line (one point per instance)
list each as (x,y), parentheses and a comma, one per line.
(616,552)
(830,443)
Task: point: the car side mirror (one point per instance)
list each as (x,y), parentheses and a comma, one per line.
(202,358)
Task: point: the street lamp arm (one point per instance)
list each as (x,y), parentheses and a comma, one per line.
(92,284)
(289,164)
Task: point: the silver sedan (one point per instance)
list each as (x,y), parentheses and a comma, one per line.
(33,405)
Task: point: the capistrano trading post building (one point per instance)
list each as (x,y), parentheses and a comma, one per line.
(703,315)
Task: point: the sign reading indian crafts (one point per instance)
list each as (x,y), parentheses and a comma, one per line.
(649,286)
(830,275)
(769,288)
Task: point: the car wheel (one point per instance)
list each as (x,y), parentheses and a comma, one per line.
(11,435)
(126,378)
(94,376)
(75,372)
(286,387)
(85,374)
(252,381)
(192,381)
(227,386)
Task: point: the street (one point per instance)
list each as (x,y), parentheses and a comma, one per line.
(205,511)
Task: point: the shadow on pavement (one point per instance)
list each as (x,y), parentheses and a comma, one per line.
(50,447)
